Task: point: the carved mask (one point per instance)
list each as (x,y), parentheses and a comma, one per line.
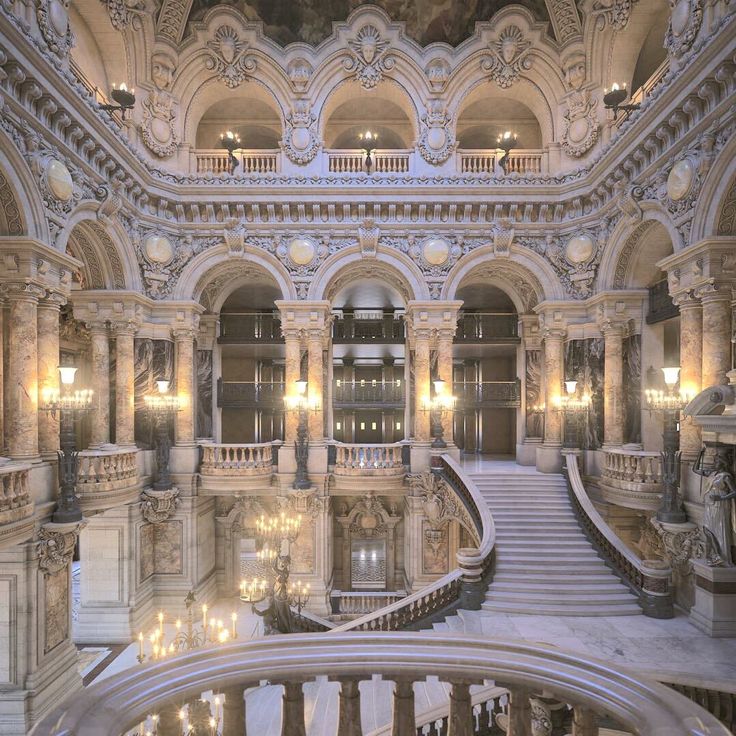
(368,49)
(228,49)
(509,47)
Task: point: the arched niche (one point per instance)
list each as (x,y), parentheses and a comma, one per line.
(90,242)
(386,110)
(257,122)
(637,264)
(478,296)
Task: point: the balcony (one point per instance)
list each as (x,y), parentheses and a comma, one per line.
(487,394)
(487,161)
(250,327)
(107,478)
(487,327)
(16,504)
(352,161)
(353,464)
(368,394)
(250,161)
(236,468)
(250,395)
(632,479)
(385,330)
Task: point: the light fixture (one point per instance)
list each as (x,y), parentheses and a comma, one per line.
(613,99)
(298,401)
(368,141)
(231,142)
(71,405)
(506,141)
(124,97)
(161,406)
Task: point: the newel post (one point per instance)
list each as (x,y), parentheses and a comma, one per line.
(472,585)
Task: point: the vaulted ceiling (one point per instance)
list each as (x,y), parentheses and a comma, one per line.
(286,21)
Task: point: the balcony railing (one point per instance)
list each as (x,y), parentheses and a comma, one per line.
(237,460)
(376,460)
(250,161)
(632,478)
(94,91)
(107,478)
(369,393)
(246,327)
(487,327)
(16,504)
(487,394)
(250,394)
(661,306)
(358,603)
(352,161)
(387,330)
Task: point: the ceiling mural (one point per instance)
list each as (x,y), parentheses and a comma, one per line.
(427,21)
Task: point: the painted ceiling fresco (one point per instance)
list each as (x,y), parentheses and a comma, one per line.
(286,21)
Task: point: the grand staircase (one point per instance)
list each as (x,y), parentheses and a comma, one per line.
(544,563)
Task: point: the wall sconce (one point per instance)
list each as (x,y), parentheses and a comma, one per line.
(613,99)
(124,98)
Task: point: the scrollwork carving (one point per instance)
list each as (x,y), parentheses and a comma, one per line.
(53,22)
(686,18)
(158,506)
(301,142)
(157,126)
(56,546)
(228,58)
(435,143)
(581,124)
(508,58)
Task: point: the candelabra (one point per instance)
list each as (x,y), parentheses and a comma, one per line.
(70,405)
(188,635)
(299,402)
(507,142)
(669,403)
(575,407)
(231,142)
(299,595)
(275,535)
(162,406)
(437,405)
(195,719)
(368,141)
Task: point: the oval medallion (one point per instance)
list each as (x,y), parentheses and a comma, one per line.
(680,179)
(579,249)
(59,180)
(158,249)
(301,251)
(436,251)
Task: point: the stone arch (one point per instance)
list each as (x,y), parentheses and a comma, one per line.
(348,265)
(104,249)
(213,275)
(715,210)
(515,276)
(615,272)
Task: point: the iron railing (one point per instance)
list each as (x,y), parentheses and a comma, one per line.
(250,394)
(487,394)
(244,327)
(369,393)
(487,327)
(386,330)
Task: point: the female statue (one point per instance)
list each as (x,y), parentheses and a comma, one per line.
(717,525)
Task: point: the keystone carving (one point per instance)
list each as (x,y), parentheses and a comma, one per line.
(368,233)
(508,58)
(228,57)
(368,59)
(56,546)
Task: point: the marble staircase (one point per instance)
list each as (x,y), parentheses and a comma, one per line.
(544,563)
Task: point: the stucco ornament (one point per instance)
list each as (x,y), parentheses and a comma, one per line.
(581,124)
(368,58)
(124,13)
(162,70)
(53,22)
(438,72)
(301,255)
(158,506)
(509,56)
(59,180)
(614,12)
(576,262)
(503,237)
(440,504)
(299,72)
(56,544)
(56,181)
(158,249)
(434,255)
(300,142)
(228,57)
(368,233)
(681,179)
(157,124)
(686,18)
(435,143)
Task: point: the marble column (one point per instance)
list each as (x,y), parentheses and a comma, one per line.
(584,722)
(553,367)
(315,388)
(716,335)
(421,386)
(124,384)
(48,370)
(461,711)
(349,723)
(100,413)
(233,712)
(691,366)
(292,710)
(613,392)
(403,709)
(292,373)
(22,380)
(520,713)
(184,427)
(444,370)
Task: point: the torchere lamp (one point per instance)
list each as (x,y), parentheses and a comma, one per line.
(231,142)
(440,403)
(507,142)
(613,99)
(71,405)
(669,402)
(574,407)
(369,143)
(299,401)
(162,406)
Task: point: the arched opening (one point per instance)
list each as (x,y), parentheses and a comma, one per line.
(485,369)
(369,381)
(250,365)
(376,113)
(256,122)
(653,51)
(482,121)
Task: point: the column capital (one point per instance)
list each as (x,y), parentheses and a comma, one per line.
(56,545)
(53,300)
(125,327)
(686,300)
(612,328)
(713,291)
(23,291)
(184,334)
(97,327)
(553,334)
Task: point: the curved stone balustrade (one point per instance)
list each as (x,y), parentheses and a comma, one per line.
(233,467)
(369,459)
(463,587)
(590,686)
(649,579)
(16,504)
(632,478)
(360,602)
(107,477)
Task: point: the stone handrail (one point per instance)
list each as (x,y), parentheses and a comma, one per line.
(241,460)
(486,161)
(649,579)
(639,704)
(632,466)
(463,587)
(115,467)
(369,459)
(719,699)
(352,161)
(352,603)
(250,161)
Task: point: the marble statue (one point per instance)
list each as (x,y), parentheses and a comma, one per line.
(718,524)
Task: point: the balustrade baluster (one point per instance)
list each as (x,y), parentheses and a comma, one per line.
(520,713)
(233,712)
(403,708)
(460,721)
(292,710)
(349,723)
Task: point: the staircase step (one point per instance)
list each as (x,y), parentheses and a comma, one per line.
(578,598)
(544,609)
(566,563)
(603,579)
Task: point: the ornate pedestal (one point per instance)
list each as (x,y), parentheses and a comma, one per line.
(714,611)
